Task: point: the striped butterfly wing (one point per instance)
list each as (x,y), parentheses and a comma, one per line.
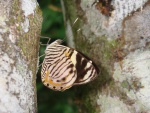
(86,69)
(58,72)
(64,67)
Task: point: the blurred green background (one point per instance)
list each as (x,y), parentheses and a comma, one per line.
(50,101)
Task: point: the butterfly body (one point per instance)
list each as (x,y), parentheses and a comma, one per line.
(64,67)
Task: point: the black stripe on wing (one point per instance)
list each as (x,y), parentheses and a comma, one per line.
(86,69)
(87,58)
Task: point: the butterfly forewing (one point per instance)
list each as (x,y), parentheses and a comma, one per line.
(64,67)
(86,71)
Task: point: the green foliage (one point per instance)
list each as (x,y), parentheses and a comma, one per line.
(53,26)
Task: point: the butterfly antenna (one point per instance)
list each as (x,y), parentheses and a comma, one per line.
(40,65)
(63,40)
(75,21)
(41,55)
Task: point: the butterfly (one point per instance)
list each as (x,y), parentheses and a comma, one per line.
(64,67)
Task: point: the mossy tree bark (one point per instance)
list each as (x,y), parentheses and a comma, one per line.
(19,43)
(116,36)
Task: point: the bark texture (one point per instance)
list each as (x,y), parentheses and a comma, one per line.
(19,41)
(116,36)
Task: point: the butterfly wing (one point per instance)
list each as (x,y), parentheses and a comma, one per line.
(58,71)
(86,69)
(64,67)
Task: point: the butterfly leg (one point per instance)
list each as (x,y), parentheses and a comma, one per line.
(47,41)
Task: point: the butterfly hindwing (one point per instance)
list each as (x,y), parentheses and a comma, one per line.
(58,72)
(86,70)
(64,67)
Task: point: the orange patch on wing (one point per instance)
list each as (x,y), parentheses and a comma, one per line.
(67,53)
(50,81)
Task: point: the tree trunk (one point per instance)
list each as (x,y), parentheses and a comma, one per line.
(115,34)
(19,44)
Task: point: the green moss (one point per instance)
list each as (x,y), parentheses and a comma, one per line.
(108,50)
(125,84)
(89,106)
(85,95)
(104,49)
